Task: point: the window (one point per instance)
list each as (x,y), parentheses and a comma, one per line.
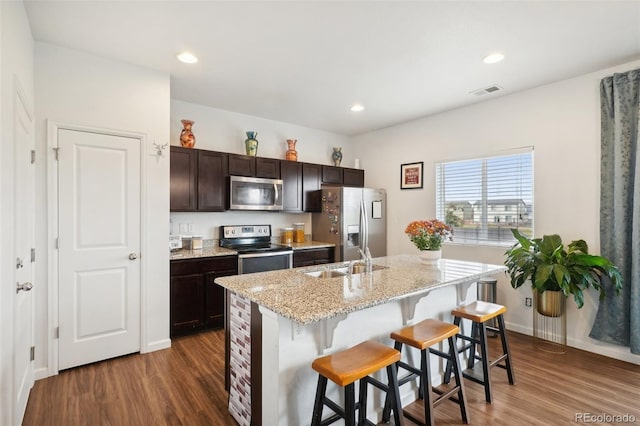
(487,186)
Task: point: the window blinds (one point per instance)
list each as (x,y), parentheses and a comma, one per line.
(483,198)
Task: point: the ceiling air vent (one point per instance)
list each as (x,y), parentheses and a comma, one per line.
(487,90)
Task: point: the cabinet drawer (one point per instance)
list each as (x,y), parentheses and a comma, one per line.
(222,264)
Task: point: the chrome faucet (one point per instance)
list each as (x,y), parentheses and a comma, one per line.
(365,257)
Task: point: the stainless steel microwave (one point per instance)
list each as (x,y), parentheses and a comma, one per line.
(248,193)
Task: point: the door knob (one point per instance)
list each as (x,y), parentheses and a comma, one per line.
(24,287)
(133,256)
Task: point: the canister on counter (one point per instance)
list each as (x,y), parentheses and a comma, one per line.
(298,232)
(286,235)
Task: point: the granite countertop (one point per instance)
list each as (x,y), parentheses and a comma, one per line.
(211,249)
(206,251)
(305,299)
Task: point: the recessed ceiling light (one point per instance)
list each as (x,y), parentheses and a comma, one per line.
(357,108)
(187,58)
(493,58)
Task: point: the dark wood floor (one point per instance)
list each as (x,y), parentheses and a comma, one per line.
(184,385)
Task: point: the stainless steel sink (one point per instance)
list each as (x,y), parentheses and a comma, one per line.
(327,273)
(342,271)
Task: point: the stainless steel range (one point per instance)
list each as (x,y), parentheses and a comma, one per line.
(256,252)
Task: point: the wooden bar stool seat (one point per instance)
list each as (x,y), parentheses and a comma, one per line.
(346,367)
(480,313)
(423,336)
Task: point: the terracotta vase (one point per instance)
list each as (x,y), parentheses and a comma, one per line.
(187,138)
(291,154)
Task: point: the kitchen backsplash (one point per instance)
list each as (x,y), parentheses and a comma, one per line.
(208,224)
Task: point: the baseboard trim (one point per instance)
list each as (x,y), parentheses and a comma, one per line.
(518,328)
(156,346)
(41,373)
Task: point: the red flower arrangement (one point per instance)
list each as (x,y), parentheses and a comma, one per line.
(428,234)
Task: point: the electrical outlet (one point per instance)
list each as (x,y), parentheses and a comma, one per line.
(527,302)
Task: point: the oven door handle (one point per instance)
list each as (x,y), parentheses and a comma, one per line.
(271,253)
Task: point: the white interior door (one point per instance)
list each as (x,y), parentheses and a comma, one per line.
(24,195)
(98,246)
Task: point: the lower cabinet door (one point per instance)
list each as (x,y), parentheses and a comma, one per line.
(214,299)
(187,309)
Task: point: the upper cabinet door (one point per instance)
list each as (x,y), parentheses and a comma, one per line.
(183,179)
(311,184)
(353,177)
(332,174)
(268,168)
(242,165)
(291,172)
(212,172)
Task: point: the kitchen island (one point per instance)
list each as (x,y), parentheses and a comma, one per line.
(280,321)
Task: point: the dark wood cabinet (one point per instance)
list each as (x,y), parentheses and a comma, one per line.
(212,172)
(186,314)
(242,165)
(196,301)
(268,168)
(291,173)
(353,177)
(198,180)
(332,174)
(184,179)
(311,183)
(310,257)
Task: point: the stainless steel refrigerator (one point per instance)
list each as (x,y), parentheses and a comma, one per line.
(352,219)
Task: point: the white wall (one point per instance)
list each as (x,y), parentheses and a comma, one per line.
(220,130)
(562,122)
(16,64)
(77,88)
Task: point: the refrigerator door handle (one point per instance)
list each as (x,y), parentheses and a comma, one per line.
(365,222)
(362,244)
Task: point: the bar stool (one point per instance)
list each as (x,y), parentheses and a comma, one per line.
(480,313)
(344,368)
(421,336)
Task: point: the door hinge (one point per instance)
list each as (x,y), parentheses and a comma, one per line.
(56,242)
(33,156)
(33,353)
(55,150)
(33,255)
(56,332)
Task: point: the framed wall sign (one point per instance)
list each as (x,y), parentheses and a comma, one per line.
(411,175)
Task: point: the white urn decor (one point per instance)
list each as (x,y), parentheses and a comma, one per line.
(430,257)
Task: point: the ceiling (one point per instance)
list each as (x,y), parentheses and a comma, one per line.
(308,62)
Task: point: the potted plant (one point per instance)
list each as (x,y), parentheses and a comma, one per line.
(553,268)
(427,236)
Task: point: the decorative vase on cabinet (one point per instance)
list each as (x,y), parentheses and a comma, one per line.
(187,138)
(251,144)
(291,154)
(336,156)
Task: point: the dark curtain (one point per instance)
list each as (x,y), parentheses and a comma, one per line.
(618,317)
